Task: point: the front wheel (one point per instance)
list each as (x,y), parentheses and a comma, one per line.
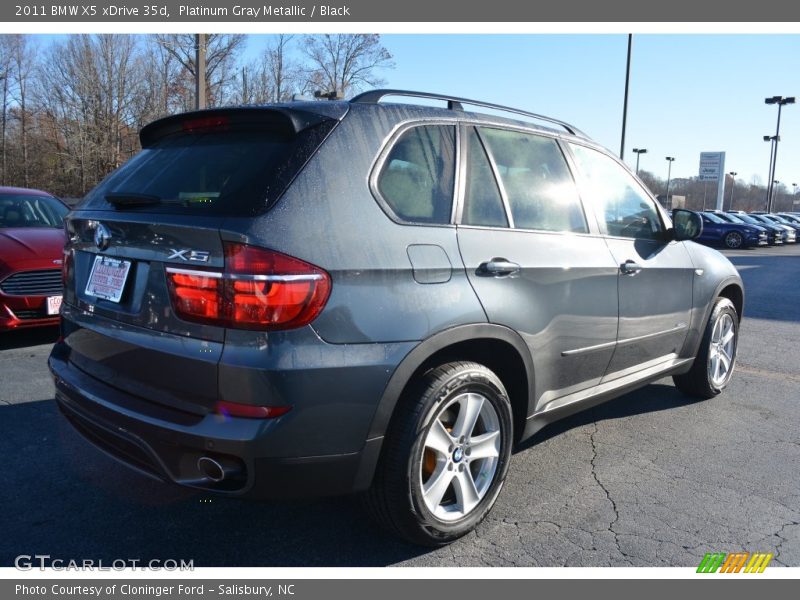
(733,240)
(713,366)
(445,456)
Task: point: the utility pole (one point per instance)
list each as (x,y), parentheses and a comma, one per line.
(200,71)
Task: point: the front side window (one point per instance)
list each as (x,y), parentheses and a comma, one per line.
(418,176)
(538,184)
(622,206)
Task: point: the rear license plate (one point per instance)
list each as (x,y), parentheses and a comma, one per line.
(107,279)
(53,305)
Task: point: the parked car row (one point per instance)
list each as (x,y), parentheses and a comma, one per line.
(739,229)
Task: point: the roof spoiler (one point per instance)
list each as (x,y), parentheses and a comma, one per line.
(286,120)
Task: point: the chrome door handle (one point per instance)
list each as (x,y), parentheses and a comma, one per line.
(498,267)
(630,268)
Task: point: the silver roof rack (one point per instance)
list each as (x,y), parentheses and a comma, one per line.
(456,103)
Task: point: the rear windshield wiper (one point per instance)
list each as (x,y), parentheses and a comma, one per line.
(119,199)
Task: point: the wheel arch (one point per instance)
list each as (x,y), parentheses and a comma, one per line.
(730,287)
(499,348)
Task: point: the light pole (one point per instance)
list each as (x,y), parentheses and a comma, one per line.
(625,103)
(733,175)
(775,184)
(639,152)
(771,139)
(780,101)
(670,160)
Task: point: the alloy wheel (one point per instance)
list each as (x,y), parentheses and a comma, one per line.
(721,353)
(460,456)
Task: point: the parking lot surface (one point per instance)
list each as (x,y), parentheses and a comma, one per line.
(649,479)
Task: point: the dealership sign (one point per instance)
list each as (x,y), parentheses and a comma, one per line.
(712,165)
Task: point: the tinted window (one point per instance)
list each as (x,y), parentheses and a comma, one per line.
(235,170)
(539,187)
(483,204)
(622,206)
(418,176)
(31,211)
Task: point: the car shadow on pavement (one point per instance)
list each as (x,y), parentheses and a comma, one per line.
(652,398)
(23,338)
(62,497)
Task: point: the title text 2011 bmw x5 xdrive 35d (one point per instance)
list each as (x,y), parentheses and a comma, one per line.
(335,297)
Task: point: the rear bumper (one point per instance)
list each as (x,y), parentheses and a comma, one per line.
(166,444)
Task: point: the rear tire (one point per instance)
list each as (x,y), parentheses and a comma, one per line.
(445,455)
(715,361)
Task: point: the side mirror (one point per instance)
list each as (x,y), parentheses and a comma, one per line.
(686,224)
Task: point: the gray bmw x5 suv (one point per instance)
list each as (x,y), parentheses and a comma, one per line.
(364,296)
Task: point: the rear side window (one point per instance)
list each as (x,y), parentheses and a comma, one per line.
(230,171)
(622,206)
(418,176)
(537,182)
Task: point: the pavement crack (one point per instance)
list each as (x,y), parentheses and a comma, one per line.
(607,493)
(783,539)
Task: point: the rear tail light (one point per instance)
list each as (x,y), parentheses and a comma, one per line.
(259,289)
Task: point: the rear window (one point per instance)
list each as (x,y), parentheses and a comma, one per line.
(232,171)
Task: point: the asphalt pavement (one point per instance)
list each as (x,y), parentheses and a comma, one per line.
(649,479)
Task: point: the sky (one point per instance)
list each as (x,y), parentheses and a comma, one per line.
(688,93)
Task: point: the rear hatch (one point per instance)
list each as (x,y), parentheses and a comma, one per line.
(158,220)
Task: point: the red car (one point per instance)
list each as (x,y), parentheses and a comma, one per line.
(31,247)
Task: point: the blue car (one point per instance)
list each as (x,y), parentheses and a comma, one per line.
(775,234)
(718,231)
(789,233)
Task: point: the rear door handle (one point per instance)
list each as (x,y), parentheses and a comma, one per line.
(498,267)
(630,268)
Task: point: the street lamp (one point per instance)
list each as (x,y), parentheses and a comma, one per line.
(670,160)
(775,184)
(733,175)
(639,152)
(780,101)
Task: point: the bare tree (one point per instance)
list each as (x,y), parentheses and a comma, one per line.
(344,63)
(87,95)
(284,73)
(221,54)
(22,65)
(273,77)
(5,68)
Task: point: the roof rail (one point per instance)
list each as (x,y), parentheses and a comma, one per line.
(456,103)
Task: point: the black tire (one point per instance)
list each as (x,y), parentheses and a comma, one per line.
(396,499)
(734,240)
(698,381)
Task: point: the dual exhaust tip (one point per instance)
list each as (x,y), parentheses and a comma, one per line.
(217,469)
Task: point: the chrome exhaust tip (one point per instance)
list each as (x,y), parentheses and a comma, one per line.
(211,469)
